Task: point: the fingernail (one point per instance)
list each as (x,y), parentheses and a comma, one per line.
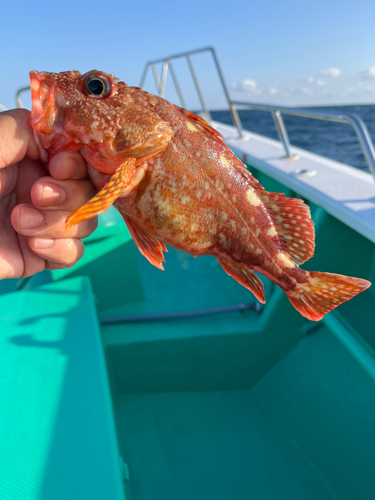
(52,195)
(43,243)
(30,218)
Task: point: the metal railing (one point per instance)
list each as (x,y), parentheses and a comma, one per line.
(18,96)
(353,120)
(167,65)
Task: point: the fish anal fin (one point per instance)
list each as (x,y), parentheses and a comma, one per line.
(245,276)
(293,225)
(121,179)
(322,292)
(149,246)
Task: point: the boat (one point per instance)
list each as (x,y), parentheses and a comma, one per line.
(122,382)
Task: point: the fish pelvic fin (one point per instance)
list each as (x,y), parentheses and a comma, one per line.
(245,276)
(322,292)
(149,246)
(106,196)
(293,225)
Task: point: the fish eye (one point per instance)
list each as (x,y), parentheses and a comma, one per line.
(97,86)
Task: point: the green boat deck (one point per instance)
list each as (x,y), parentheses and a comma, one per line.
(248,404)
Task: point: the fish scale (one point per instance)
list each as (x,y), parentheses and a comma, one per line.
(176,183)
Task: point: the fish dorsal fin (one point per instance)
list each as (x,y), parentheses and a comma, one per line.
(254,183)
(245,276)
(293,225)
(200,122)
(149,246)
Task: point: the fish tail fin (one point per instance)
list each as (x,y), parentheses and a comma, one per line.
(322,292)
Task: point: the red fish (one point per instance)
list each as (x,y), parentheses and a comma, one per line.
(175,182)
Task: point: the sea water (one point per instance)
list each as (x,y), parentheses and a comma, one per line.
(337,141)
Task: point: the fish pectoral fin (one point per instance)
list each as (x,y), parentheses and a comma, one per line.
(149,246)
(245,276)
(121,179)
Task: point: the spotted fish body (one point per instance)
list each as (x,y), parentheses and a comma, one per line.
(176,183)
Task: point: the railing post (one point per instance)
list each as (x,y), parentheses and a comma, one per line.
(236,120)
(143,77)
(176,84)
(197,86)
(365,141)
(235,117)
(156,77)
(164,78)
(283,134)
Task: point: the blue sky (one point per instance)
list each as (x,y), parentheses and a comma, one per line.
(287,52)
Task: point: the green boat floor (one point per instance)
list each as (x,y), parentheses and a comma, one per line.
(304,431)
(211,446)
(57,436)
(324,400)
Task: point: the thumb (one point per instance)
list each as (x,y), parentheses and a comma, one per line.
(16,137)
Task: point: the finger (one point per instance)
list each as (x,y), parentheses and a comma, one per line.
(63,251)
(53,266)
(29,221)
(8,179)
(29,171)
(68,165)
(97,178)
(17,137)
(50,194)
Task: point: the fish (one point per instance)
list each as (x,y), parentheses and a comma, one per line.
(176,183)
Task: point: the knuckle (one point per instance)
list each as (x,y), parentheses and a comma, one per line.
(71,252)
(84,229)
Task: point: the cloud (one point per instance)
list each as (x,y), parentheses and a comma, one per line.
(312,88)
(334,72)
(311,80)
(249,86)
(307,91)
(366,74)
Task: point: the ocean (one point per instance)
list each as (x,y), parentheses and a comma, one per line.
(334,140)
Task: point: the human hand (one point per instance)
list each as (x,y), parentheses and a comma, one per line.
(35,201)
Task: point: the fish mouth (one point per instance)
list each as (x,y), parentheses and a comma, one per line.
(43,110)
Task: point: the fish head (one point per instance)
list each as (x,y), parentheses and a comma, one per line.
(66,105)
(96,114)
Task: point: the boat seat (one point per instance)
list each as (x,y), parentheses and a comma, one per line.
(57,433)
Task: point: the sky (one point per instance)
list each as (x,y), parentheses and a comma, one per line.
(289,52)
